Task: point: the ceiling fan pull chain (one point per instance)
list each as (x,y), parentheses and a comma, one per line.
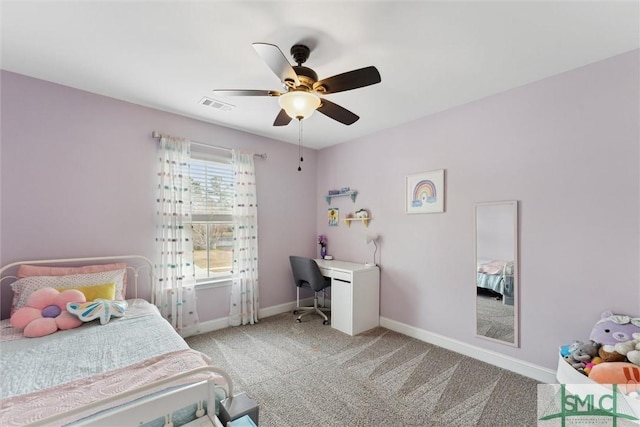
(300,143)
(300,139)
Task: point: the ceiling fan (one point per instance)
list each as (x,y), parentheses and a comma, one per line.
(303,89)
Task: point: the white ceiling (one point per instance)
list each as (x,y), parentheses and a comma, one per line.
(432,56)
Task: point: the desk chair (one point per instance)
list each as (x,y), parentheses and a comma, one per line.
(306,274)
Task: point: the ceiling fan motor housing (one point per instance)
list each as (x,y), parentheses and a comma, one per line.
(306,76)
(300,53)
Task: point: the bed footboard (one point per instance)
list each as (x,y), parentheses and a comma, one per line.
(153,406)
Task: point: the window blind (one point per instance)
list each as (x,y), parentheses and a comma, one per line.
(212,190)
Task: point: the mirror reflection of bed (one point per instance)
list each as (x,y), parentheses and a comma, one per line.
(496,266)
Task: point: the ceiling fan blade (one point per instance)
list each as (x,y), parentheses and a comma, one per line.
(349,80)
(337,112)
(246,92)
(282,119)
(276,61)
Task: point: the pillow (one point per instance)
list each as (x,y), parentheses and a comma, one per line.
(46,312)
(100,308)
(104,291)
(26,270)
(41,270)
(22,288)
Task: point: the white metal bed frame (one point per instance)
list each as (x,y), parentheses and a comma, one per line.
(158,405)
(151,407)
(145,264)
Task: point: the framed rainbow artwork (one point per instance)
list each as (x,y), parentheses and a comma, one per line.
(425,192)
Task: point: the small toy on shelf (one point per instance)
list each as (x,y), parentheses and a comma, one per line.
(362,213)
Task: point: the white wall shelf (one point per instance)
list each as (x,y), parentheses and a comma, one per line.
(365,221)
(352,194)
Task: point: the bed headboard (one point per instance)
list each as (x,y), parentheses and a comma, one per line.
(140,278)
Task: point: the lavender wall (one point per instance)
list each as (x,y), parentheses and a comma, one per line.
(566,147)
(78,179)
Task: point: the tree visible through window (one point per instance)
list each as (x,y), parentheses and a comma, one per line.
(212,204)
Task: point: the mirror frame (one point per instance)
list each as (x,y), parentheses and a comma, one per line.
(516,271)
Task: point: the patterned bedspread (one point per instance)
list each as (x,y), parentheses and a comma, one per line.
(496,267)
(48,375)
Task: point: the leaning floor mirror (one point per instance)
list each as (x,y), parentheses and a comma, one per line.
(496,251)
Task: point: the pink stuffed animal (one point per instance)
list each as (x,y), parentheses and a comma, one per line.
(46,312)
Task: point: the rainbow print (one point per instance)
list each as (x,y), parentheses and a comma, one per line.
(424,192)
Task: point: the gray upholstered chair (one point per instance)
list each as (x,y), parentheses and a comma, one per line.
(306,274)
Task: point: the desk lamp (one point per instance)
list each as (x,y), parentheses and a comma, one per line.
(372,238)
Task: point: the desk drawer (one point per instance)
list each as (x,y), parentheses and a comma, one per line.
(342,275)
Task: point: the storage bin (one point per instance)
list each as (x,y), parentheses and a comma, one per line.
(567,375)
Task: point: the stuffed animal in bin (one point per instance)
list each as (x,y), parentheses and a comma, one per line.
(581,353)
(614,329)
(630,350)
(626,375)
(46,312)
(608,354)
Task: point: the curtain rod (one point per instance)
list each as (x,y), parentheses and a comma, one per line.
(157,135)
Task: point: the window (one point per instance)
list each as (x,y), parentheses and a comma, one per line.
(212,204)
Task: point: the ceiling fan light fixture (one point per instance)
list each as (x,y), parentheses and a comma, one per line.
(299,104)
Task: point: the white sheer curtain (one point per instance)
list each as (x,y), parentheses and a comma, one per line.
(175,287)
(244,291)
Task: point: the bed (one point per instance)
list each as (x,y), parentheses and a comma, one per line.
(132,370)
(496,276)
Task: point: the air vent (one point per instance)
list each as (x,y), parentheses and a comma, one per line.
(214,103)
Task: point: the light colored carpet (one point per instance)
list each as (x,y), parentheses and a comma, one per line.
(308,374)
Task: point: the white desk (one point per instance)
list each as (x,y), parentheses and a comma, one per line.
(355,295)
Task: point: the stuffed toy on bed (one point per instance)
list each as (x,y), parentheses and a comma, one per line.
(46,312)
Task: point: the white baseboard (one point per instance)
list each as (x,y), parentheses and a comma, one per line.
(223,322)
(276,309)
(213,325)
(518,366)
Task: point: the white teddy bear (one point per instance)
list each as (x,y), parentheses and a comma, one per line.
(631,349)
(362,213)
